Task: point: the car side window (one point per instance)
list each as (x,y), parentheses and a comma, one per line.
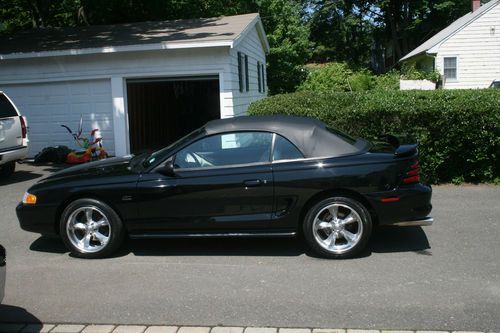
(285,150)
(226,149)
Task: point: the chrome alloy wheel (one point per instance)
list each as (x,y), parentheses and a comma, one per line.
(337,228)
(88,229)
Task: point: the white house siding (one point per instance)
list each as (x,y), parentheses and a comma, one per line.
(252,47)
(51,104)
(477,48)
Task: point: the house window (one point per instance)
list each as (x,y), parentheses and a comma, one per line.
(450,68)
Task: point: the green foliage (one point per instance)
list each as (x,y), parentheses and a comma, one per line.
(387,81)
(458,131)
(331,77)
(362,80)
(410,72)
(288,38)
(339,77)
(341,31)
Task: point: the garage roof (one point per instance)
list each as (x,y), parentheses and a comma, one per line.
(188,33)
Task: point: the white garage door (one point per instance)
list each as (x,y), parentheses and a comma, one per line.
(47,106)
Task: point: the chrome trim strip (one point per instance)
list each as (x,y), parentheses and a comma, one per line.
(426,221)
(6,150)
(214,235)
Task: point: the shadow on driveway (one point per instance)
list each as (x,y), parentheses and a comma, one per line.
(14,314)
(384,240)
(400,239)
(26,171)
(20,176)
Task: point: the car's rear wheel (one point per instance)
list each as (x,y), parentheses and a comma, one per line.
(91,229)
(337,227)
(7,169)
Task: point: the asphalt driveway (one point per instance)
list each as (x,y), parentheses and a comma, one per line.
(443,277)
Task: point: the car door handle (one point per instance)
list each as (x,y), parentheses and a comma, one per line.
(252,183)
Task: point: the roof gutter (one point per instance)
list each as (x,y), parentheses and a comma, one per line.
(117,49)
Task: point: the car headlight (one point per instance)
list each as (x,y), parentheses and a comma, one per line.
(29,199)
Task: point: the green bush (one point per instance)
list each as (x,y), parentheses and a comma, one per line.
(337,76)
(458,132)
(362,80)
(410,72)
(387,81)
(330,77)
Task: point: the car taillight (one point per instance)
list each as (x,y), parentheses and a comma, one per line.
(23,127)
(413,174)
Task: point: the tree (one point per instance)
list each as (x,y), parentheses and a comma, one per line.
(291,48)
(405,24)
(348,30)
(341,31)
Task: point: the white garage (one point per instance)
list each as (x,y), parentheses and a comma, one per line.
(142,85)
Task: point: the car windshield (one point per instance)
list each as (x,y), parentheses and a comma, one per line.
(164,152)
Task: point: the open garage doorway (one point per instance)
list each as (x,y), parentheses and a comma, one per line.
(160,111)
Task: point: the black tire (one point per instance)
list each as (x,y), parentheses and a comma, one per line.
(7,169)
(116,231)
(318,244)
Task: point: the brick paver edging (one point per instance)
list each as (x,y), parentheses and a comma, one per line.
(79,328)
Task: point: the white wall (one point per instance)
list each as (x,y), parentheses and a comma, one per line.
(252,47)
(477,49)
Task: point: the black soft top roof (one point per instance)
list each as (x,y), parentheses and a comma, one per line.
(309,135)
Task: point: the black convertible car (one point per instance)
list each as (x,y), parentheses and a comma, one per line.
(240,177)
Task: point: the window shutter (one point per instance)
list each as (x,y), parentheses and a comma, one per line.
(240,72)
(263,77)
(247,82)
(259,77)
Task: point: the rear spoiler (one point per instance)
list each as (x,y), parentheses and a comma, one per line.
(400,150)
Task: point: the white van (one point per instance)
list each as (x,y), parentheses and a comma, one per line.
(13,136)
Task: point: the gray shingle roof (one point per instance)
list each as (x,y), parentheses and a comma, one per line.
(204,30)
(451,29)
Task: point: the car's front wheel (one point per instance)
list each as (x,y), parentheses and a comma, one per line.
(91,229)
(337,227)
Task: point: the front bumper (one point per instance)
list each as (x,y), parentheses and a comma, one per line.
(37,218)
(404,206)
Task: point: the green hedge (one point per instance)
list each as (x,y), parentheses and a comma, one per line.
(458,131)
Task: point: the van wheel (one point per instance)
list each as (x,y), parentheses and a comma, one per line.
(337,227)
(7,169)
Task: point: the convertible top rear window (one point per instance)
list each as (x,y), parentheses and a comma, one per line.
(342,135)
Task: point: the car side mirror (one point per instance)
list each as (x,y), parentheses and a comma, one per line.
(167,169)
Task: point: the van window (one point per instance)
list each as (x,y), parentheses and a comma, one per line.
(6,108)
